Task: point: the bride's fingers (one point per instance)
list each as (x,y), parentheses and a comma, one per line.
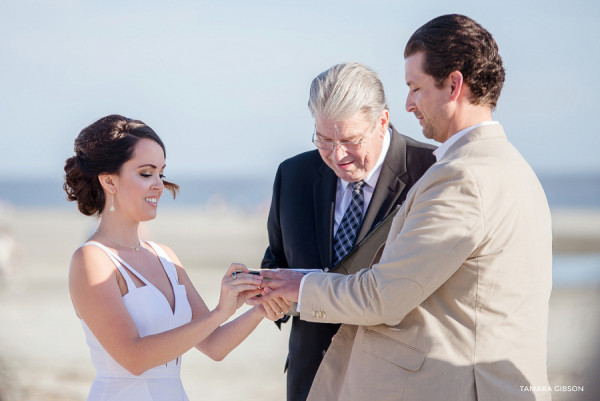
(237,274)
(245,278)
(240,288)
(234,268)
(255,299)
(248,294)
(251,293)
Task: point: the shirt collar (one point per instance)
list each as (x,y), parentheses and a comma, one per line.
(441,151)
(373,175)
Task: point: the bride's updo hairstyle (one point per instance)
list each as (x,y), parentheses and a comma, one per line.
(103,147)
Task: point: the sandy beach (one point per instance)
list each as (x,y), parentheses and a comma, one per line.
(43,355)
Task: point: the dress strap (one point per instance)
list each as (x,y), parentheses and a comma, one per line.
(166,261)
(120,263)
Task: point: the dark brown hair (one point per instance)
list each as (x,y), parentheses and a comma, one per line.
(457,43)
(103,147)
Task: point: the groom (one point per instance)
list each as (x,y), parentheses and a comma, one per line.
(457,307)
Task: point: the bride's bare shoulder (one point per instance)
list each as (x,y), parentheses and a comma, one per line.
(90,261)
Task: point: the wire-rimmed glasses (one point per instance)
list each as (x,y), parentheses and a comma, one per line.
(330,146)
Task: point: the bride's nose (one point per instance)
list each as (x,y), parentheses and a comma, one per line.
(158,183)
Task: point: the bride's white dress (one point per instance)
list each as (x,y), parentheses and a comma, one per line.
(152,314)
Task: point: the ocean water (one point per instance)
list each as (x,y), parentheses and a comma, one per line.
(246,194)
(576,191)
(576,270)
(563,191)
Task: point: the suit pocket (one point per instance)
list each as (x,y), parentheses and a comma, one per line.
(393,351)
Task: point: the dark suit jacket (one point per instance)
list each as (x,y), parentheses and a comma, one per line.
(301,234)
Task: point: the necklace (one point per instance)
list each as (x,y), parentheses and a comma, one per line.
(136,248)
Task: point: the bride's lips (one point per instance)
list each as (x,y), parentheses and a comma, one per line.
(152,200)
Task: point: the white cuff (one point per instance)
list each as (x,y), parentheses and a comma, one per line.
(300,290)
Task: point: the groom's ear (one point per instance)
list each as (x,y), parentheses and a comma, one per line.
(455,85)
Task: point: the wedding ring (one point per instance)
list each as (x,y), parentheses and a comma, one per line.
(234,275)
(281,313)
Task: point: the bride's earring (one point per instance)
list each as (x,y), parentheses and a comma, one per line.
(112,202)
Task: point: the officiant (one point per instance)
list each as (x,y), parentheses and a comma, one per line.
(328,199)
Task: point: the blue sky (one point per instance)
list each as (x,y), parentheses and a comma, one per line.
(225,84)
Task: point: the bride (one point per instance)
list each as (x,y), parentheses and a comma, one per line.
(138,308)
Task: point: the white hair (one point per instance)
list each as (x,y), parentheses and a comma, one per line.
(344,90)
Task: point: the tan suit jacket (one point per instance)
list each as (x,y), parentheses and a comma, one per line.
(457,308)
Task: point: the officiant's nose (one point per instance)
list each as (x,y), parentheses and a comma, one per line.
(339,153)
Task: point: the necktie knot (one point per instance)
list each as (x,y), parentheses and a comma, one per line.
(357,186)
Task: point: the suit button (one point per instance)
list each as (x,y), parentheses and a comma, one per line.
(323,314)
(314,314)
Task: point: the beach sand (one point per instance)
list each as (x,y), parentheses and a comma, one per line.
(43,355)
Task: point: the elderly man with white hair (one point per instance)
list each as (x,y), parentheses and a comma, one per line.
(328,199)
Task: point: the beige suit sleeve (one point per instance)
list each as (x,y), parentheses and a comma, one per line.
(440,226)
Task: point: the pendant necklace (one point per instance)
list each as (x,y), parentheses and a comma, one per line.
(136,248)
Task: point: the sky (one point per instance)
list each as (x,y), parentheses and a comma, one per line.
(225,84)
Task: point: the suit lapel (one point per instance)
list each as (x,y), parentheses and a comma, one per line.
(324,204)
(389,184)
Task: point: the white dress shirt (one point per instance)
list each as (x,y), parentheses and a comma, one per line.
(343,194)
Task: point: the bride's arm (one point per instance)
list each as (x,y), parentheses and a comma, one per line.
(97,299)
(228,336)
(224,339)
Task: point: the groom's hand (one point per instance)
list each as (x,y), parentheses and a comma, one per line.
(274,308)
(281,289)
(283,283)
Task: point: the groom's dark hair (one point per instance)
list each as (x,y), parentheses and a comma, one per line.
(455,42)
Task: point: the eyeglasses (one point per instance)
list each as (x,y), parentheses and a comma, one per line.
(330,146)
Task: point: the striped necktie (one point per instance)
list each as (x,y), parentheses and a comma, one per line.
(348,229)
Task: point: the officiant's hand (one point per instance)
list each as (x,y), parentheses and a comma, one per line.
(237,286)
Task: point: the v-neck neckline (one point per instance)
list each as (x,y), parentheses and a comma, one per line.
(145,280)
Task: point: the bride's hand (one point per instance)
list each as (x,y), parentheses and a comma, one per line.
(236,287)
